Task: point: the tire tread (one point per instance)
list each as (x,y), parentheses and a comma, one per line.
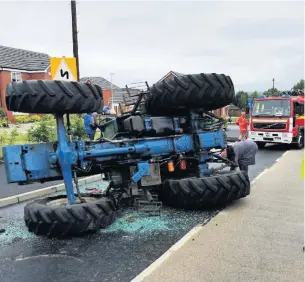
(205,192)
(53,97)
(59,221)
(207,91)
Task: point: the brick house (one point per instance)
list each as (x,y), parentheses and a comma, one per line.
(19,65)
(106,87)
(219,112)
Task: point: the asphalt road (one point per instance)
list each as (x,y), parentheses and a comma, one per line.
(117,253)
(7,190)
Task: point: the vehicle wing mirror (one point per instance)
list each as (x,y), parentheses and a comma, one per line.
(247,110)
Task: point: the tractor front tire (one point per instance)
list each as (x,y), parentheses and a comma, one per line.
(207,192)
(51,217)
(53,97)
(193,91)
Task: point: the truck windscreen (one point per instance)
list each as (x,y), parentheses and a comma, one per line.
(271,108)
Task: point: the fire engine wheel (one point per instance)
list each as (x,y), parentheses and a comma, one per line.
(198,193)
(207,91)
(260,145)
(52,216)
(300,141)
(53,97)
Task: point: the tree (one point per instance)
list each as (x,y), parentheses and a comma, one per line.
(42,132)
(272,92)
(12,136)
(241,100)
(299,85)
(45,130)
(78,127)
(255,94)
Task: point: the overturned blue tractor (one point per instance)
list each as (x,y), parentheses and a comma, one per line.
(159,152)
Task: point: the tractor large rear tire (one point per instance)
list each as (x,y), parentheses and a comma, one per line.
(52,220)
(53,97)
(197,193)
(207,91)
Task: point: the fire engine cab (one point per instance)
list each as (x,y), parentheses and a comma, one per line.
(277,119)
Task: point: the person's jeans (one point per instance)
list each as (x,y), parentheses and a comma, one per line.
(91,136)
(243,168)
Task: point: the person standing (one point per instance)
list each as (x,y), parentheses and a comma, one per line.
(242,122)
(90,125)
(242,154)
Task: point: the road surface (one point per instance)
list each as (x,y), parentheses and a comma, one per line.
(117,254)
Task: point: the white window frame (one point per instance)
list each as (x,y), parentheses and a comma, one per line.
(16,76)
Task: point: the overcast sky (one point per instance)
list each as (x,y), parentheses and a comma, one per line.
(250,41)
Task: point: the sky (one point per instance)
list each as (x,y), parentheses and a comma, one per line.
(251,41)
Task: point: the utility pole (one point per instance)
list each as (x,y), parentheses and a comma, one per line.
(74,35)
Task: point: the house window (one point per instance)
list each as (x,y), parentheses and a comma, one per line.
(16,76)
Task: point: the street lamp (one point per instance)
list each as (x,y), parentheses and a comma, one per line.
(111,74)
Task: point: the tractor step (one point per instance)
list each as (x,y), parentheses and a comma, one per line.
(152,208)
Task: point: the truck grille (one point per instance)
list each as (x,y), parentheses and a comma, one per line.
(259,125)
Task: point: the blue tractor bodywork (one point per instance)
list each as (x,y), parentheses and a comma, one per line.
(158,152)
(52,161)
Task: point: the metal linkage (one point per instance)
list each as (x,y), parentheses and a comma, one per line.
(64,157)
(82,200)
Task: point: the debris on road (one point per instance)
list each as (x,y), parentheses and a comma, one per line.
(94,190)
(131,219)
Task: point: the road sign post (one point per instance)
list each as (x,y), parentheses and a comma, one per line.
(63,68)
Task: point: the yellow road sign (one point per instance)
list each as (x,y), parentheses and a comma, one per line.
(63,68)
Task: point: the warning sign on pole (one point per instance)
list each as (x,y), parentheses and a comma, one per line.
(63,68)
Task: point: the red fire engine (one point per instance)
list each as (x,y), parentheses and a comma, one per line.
(278,119)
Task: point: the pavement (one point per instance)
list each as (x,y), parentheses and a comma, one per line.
(259,238)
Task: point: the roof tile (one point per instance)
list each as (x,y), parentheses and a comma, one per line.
(14,58)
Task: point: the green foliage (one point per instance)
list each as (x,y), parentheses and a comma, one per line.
(299,85)
(2,113)
(3,122)
(77,127)
(254,94)
(12,137)
(241,100)
(45,130)
(27,119)
(3,118)
(234,119)
(272,92)
(42,132)
(3,137)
